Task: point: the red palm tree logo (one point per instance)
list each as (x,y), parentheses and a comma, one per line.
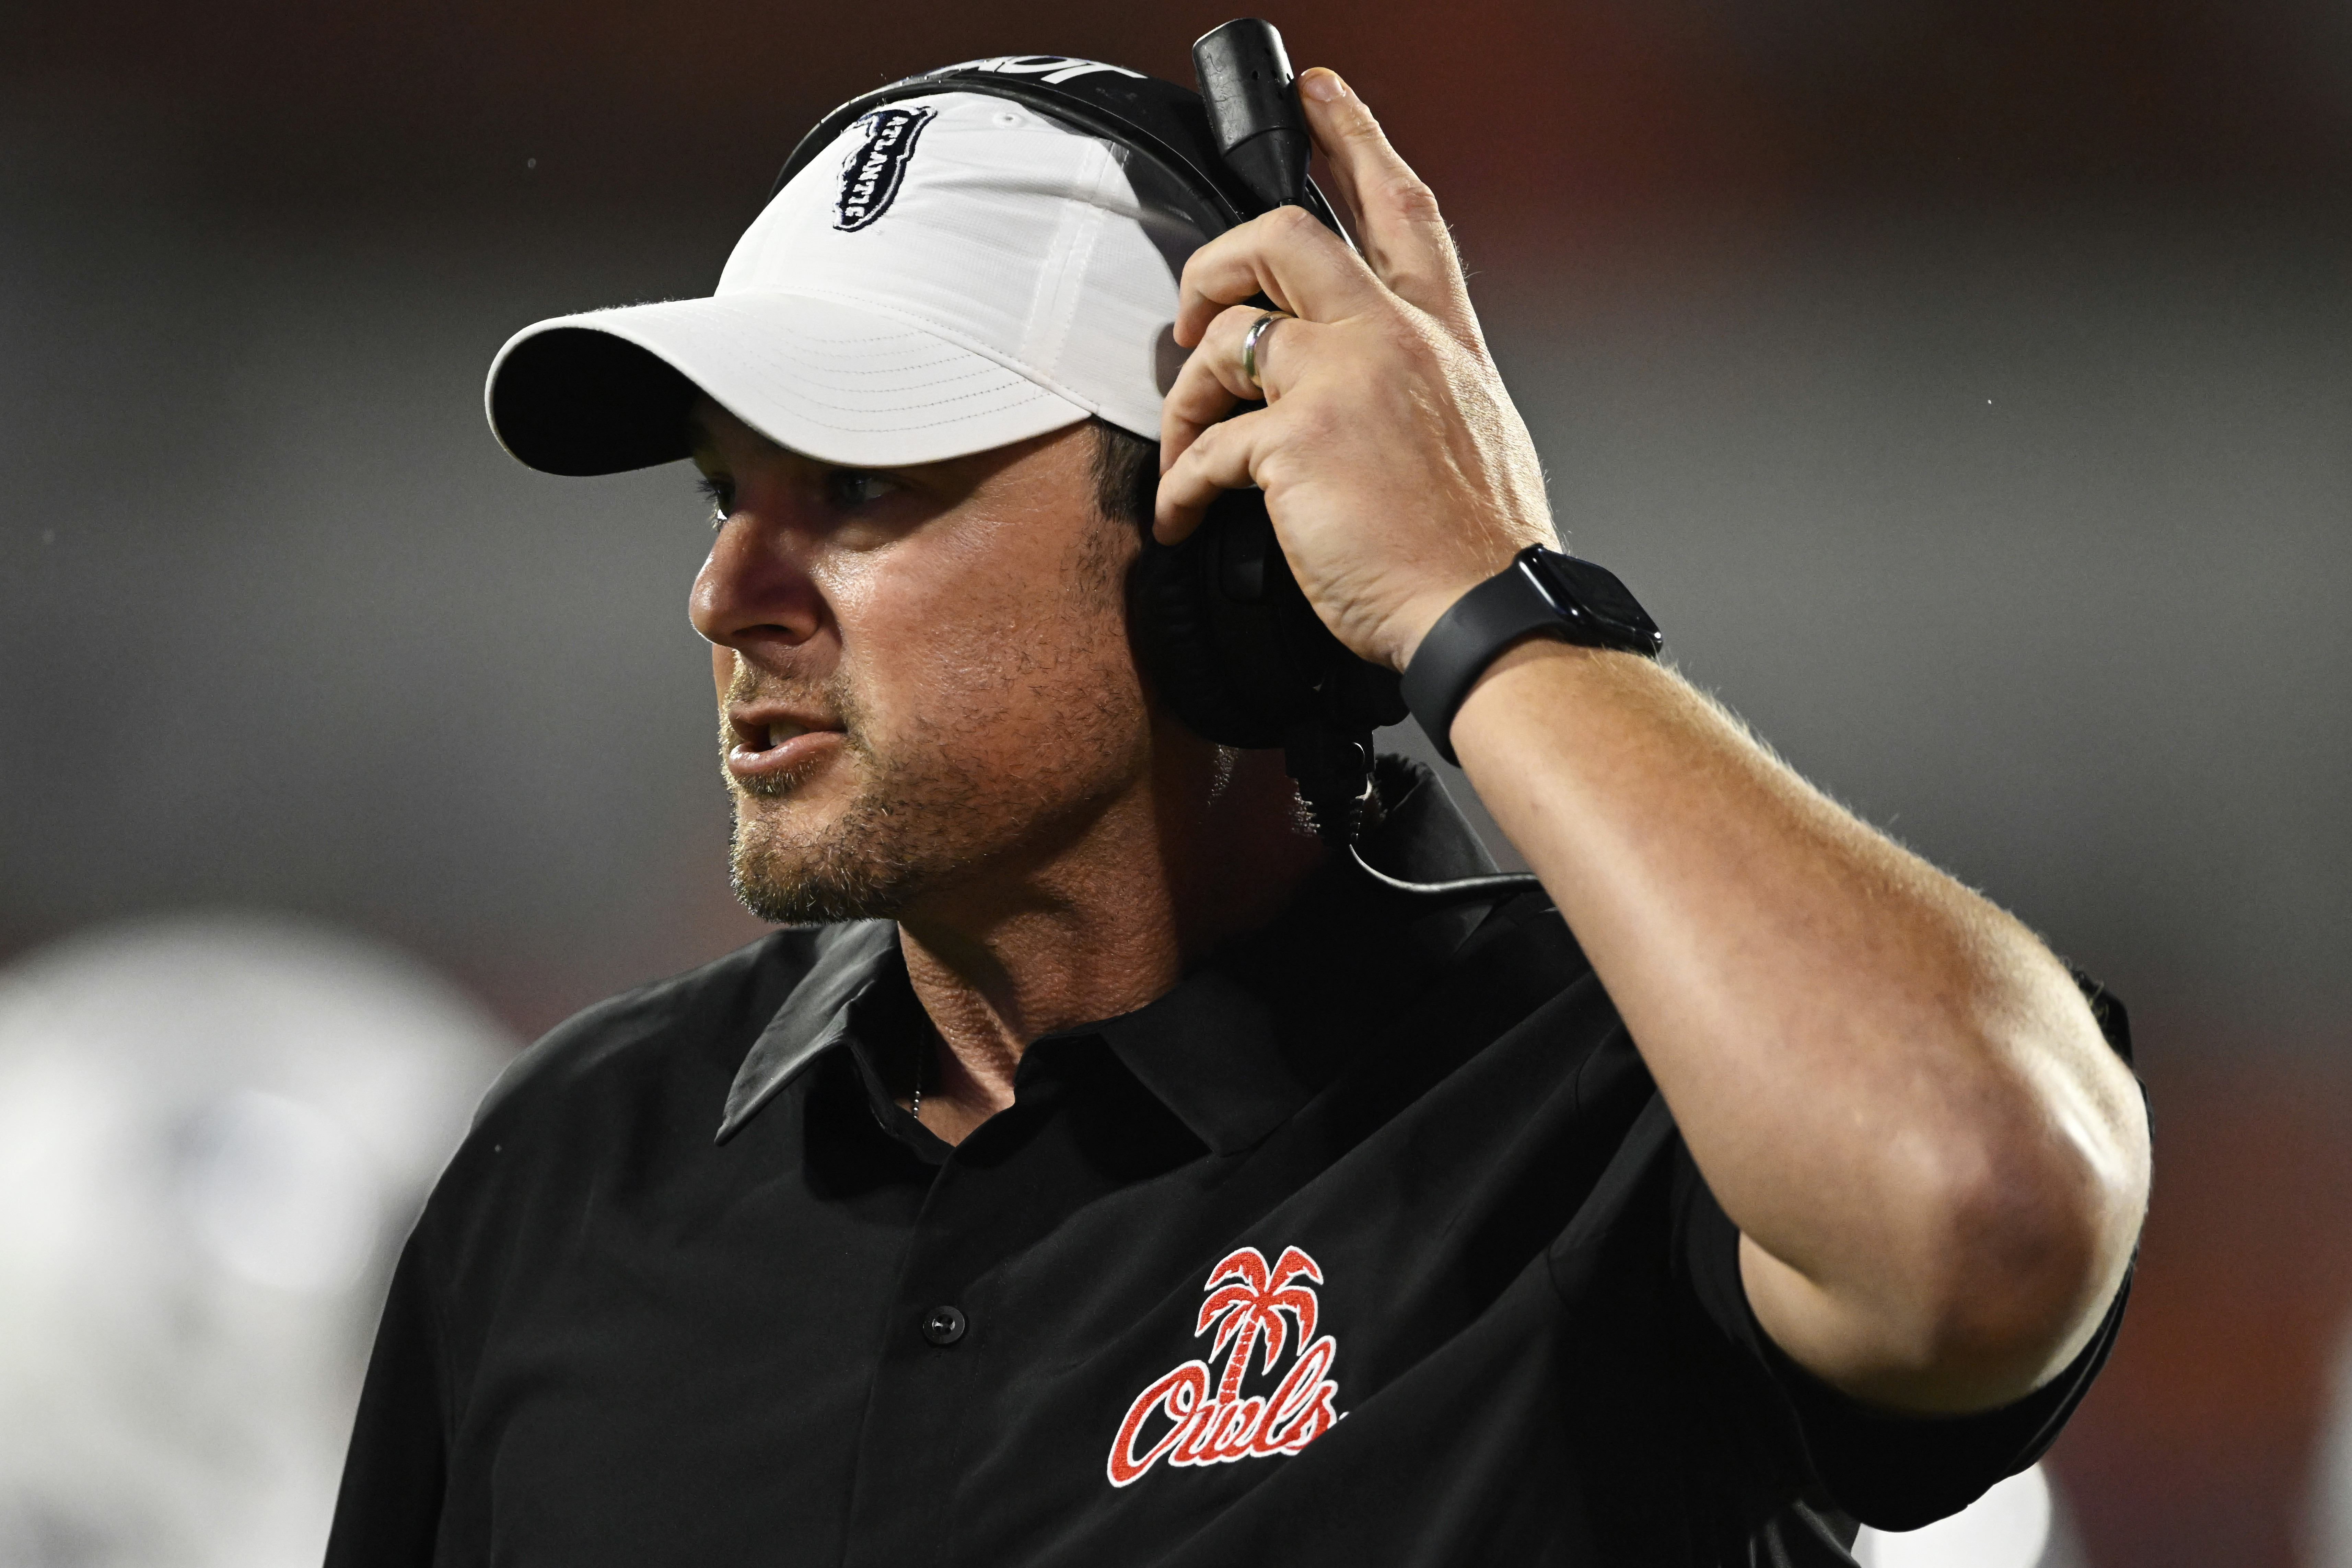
(1251,1307)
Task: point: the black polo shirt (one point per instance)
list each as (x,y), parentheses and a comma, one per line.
(1371,1241)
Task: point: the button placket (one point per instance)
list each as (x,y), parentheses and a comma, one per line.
(996,1193)
(912,1436)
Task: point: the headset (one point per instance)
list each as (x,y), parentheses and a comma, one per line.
(1220,626)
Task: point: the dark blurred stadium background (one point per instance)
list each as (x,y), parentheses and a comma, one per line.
(1967,387)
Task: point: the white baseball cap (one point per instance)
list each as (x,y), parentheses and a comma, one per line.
(957,272)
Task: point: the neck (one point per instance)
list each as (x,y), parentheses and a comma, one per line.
(1165,872)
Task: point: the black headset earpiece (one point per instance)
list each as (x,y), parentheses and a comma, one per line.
(1175,611)
(1232,645)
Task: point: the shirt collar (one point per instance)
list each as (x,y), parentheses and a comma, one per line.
(851,961)
(1246,1039)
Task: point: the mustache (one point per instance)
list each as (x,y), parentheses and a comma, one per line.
(830,696)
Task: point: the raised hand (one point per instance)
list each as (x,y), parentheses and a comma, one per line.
(1396,470)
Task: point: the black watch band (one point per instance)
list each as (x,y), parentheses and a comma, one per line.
(1540,591)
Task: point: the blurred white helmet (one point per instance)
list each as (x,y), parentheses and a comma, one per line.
(214,1135)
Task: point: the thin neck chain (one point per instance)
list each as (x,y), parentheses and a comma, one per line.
(922,1050)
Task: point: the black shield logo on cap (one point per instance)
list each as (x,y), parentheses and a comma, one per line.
(871,175)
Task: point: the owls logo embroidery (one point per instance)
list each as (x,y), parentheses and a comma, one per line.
(1193,1416)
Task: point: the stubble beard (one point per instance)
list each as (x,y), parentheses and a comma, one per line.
(851,874)
(864,864)
(920,819)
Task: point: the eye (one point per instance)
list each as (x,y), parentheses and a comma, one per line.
(720,494)
(850,488)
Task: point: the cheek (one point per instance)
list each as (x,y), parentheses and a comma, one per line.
(1020,669)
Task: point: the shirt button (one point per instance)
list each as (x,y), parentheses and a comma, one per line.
(943,1325)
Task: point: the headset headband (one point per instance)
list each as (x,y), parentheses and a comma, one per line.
(1156,120)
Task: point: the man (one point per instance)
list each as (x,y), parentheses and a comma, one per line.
(1111,1176)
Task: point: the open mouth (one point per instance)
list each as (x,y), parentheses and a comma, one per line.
(762,745)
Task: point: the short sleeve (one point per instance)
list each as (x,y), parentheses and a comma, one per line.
(1894,1471)
(388,1514)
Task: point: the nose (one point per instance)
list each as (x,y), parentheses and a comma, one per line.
(755,592)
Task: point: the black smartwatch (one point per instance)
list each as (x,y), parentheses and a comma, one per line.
(1540,593)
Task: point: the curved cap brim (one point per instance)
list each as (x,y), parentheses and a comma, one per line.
(608,391)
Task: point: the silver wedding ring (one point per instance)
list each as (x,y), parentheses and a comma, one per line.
(1258,329)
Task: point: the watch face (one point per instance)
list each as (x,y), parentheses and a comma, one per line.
(1595,591)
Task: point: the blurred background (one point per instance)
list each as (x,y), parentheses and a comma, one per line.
(1965,387)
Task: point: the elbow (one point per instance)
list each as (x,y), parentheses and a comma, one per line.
(2021,1249)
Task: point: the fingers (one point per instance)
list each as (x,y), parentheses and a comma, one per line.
(1221,460)
(1212,383)
(1288,256)
(1403,235)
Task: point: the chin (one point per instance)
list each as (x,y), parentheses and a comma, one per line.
(795,862)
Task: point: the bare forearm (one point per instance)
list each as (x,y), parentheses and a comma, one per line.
(1894,1089)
